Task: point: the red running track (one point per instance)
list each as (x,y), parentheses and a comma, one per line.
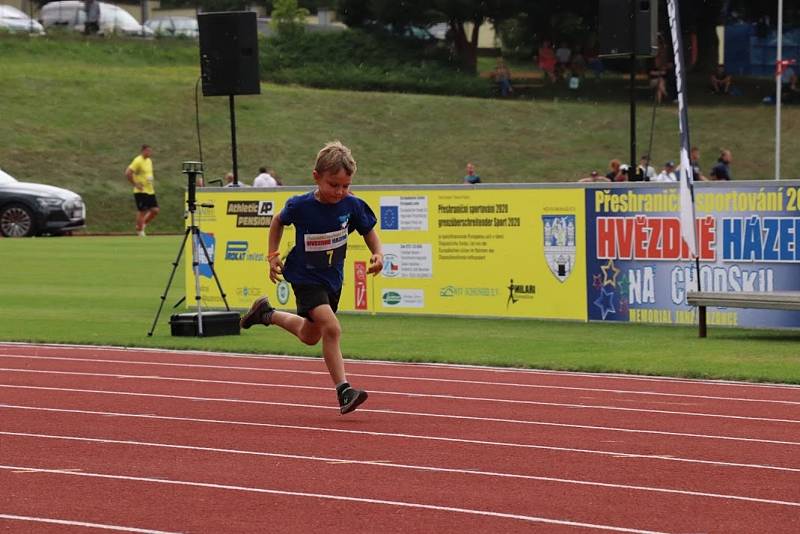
(96,438)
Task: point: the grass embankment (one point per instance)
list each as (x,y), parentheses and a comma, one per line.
(104,290)
(74,113)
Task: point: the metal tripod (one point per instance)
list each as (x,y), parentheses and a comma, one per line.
(192,169)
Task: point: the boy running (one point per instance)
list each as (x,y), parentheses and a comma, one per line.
(315,266)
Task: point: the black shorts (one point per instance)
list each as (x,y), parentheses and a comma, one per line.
(310,296)
(145,201)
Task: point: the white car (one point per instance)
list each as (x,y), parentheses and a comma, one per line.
(71,14)
(15,21)
(174,27)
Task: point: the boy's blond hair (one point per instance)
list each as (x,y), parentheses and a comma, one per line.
(334,157)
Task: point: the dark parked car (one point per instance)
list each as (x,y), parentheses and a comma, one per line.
(33,209)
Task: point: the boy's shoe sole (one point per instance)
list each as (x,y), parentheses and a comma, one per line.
(256,314)
(356,401)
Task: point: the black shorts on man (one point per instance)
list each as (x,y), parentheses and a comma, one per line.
(309,296)
(145,201)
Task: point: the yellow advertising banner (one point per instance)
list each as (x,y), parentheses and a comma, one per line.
(514,251)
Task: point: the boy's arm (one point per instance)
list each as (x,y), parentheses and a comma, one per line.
(374,244)
(273,249)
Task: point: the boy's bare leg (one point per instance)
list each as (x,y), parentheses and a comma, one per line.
(327,323)
(302,328)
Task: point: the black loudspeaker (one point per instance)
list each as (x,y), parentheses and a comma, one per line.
(229,53)
(614,27)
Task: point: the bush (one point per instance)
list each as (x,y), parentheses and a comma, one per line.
(366,61)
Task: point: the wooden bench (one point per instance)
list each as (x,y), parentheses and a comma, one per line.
(785,300)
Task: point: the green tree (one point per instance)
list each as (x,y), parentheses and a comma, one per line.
(287,17)
(400,15)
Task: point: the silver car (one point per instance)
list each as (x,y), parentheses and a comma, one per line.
(174,26)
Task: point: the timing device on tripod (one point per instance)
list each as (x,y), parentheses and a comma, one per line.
(200,323)
(229,66)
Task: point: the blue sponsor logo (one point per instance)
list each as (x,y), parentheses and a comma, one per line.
(203,262)
(390,217)
(236,251)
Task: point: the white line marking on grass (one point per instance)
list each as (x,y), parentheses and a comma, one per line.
(382,463)
(398,412)
(360,500)
(406,394)
(468,367)
(615,454)
(80,523)
(409,378)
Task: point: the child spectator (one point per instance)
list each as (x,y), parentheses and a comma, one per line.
(720,81)
(502,77)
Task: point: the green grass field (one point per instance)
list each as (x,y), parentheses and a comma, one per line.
(105,290)
(75,112)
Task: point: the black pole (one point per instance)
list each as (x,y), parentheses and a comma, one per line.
(233,140)
(632,167)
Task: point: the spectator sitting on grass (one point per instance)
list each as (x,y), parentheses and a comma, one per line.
(264,178)
(614,170)
(471,177)
(721,81)
(667,174)
(694,159)
(644,172)
(229,181)
(594,176)
(722,170)
(624,173)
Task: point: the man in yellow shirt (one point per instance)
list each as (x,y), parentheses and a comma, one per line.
(140,174)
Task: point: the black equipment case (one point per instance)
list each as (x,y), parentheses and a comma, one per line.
(215,323)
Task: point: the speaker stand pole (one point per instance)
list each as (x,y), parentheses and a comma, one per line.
(232,107)
(633,17)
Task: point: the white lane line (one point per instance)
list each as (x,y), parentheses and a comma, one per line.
(399,412)
(406,394)
(446,439)
(84,524)
(361,500)
(416,365)
(382,463)
(409,378)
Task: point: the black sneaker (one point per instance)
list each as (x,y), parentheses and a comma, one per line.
(260,313)
(350,399)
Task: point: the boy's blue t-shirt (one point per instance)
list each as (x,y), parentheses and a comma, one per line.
(321,237)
